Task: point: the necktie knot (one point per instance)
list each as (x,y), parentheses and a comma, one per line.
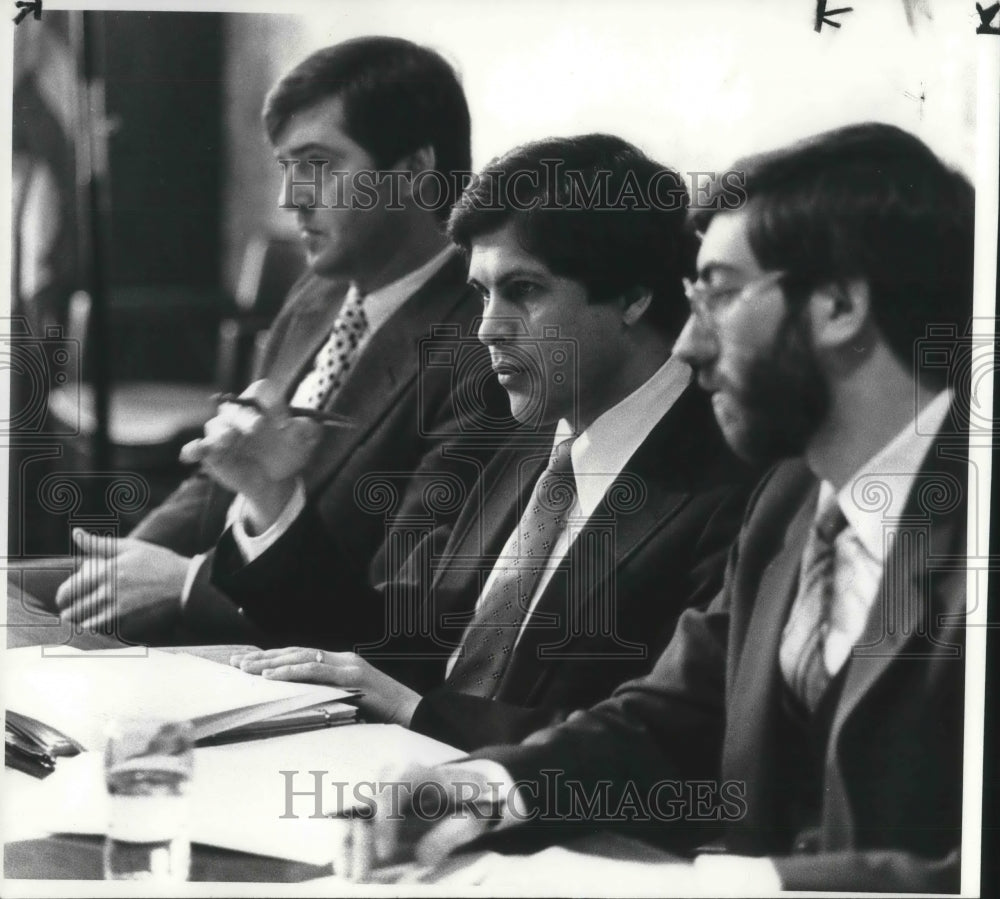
(556,488)
(354,301)
(802,652)
(830,522)
(336,357)
(561,460)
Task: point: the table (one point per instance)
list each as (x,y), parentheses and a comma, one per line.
(75,857)
(70,857)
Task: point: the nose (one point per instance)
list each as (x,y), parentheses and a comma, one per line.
(301,187)
(697,343)
(497,324)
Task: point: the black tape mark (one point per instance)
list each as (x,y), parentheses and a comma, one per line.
(25,7)
(823,15)
(986,17)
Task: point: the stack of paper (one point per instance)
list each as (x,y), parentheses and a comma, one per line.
(80,693)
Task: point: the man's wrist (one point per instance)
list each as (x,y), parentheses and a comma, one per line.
(404,711)
(252,547)
(263,507)
(508,806)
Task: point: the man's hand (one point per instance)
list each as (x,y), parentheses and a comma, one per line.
(421,815)
(132,583)
(259,453)
(383,698)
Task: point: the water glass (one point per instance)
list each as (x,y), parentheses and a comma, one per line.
(147,770)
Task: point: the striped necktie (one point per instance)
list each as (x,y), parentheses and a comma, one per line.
(334,360)
(803,643)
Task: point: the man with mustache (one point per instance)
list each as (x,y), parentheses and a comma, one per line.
(382,275)
(819,698)
(594,529)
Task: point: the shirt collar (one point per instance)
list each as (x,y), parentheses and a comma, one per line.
(380,304)
(893,471)
(601,452)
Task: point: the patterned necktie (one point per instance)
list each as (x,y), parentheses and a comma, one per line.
(497,621)
(804,640)
(337,355)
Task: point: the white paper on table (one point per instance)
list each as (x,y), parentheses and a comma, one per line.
(18,821)
(239,793)
(81,692)
(556,871)
(562,871)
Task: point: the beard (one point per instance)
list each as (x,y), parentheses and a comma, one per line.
(784,398)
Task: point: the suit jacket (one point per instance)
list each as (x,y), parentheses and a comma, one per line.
(406,410)
(655,545)
(891,770)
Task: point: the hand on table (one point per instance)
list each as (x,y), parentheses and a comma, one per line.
(131,583)
(258,453)
(383,698)
(421,815)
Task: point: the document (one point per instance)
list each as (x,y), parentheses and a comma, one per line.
(81,692)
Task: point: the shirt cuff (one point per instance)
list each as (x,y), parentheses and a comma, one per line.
(736,875)
(194,566)
(503,789)
(251,547)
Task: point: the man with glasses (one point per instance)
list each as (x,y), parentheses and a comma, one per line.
(817,703)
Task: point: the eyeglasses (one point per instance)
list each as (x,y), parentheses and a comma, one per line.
(707,303)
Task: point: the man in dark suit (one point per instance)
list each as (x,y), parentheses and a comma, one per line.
(810,720)
(339,121)
(569,565)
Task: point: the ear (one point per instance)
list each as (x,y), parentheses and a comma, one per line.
(840,314)
(420,160)
(637,301)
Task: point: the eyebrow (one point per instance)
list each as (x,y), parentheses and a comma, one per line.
(518,271)
(318,151)
(506,278)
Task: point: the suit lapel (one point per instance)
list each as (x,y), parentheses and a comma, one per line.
(904,610)
(308,330)
(755,688)
(388,364)
(638,503)
(477,542)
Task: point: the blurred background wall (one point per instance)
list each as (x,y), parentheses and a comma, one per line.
(695,84)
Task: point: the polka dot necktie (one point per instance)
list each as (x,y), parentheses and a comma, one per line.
(334,360)
(496,624)
(803,642)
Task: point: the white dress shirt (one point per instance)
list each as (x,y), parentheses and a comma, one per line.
(379,306)
(599,455)
(872,502)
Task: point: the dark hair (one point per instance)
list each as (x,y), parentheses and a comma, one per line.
(397,96)
(869,202)
(593,208)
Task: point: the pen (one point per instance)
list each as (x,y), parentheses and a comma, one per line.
(331,419)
